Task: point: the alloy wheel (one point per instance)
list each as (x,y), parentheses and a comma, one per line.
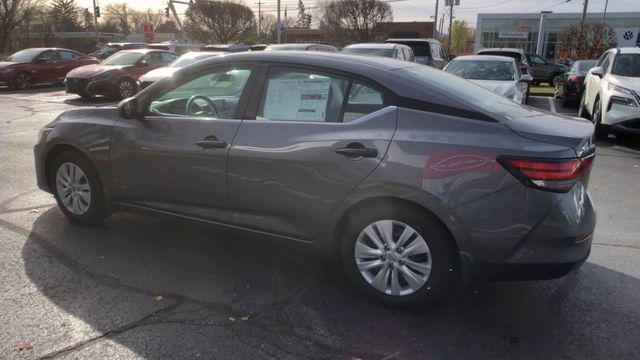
(126,88)
(393,257)
(23,81)
(73,188)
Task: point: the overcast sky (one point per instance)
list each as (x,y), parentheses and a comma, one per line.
(421,10)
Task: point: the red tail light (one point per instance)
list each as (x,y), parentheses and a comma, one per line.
(551,175)
(576,79)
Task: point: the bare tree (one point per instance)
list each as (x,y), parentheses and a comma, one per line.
(219,21)
(585,41)
(349,21)
(13,13)
(121,15)
(267,28)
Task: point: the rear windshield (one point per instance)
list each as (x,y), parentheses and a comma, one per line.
(482,70)
(420,48)
(510,54)
(627,65)
(465,92)
(123,58)
(369,51)
(582,67)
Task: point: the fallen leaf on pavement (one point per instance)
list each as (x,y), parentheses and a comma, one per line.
(245,318)
(24,346)
(232,318)
(158,297)
(35,211)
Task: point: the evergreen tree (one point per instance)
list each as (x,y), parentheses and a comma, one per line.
(87,20)
(304,19)
(65,15)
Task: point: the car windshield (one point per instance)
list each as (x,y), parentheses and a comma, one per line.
(627,65)
(420,48)
(24,55)
(123,58)
(190,59)
(369,51)
(582,67)
(482,70)
(510,54)
(485,101)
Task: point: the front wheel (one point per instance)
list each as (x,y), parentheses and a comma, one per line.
(77,188)
(23,81)
(602,132)
(399,257)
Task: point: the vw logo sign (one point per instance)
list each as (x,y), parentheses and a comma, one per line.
(628,35)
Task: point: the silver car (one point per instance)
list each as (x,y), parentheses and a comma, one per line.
(412,178)
(499,74)
(390,50)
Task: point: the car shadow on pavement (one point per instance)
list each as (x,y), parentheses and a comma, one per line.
(174,290)
(44,88)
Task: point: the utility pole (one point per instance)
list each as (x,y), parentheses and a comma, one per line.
(584,10)
(435,21)
(260,21)
(96,15)
(604,14)
(450,23)
(279,24)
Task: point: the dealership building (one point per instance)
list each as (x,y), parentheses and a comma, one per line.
(521,30)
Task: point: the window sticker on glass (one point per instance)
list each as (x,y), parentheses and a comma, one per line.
(297,99)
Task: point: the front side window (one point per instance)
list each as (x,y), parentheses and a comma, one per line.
(153,58)
(213,95)
(167,57)
(605,64)
(48,55)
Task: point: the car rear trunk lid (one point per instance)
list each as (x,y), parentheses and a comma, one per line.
(571,132)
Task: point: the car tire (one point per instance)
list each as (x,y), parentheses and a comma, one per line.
(602,132)
(70,176)
(582,111)
(23,81)
(126,88)
(439,256)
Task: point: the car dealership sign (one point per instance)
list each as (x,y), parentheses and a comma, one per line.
(627,37)
(513,34)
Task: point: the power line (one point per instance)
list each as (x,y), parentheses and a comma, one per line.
(485,6)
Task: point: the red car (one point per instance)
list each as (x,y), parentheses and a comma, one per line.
(117,75)
(40,65)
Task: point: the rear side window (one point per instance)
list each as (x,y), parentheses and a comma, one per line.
(305,95)
(167,57)
(67,55)
(436,51)
(363,100)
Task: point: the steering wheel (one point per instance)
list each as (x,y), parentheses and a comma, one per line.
(210,104)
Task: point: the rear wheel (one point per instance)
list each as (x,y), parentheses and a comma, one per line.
(126,88)
(399,257)
(77,188)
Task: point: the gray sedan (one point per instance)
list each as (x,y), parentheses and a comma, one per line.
(412,178)
(499,74)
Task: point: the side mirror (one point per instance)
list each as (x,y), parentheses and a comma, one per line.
(526,78)
(128,109)
(597,71)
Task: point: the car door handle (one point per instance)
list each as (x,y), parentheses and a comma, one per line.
(211,143)
(356,152)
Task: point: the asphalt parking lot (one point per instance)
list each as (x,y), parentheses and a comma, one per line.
(139,287)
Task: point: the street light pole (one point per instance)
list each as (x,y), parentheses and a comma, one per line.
(95,23)
(604,14)
(435,21)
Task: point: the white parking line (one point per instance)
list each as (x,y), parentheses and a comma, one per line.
(552,104)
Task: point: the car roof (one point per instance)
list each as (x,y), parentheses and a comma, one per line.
(144,50)
(629,50)
(485,58)
(513,50)
(198,53)
(373,46)
(396,40)
(48,48)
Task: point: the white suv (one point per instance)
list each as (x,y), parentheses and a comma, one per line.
(612,93)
